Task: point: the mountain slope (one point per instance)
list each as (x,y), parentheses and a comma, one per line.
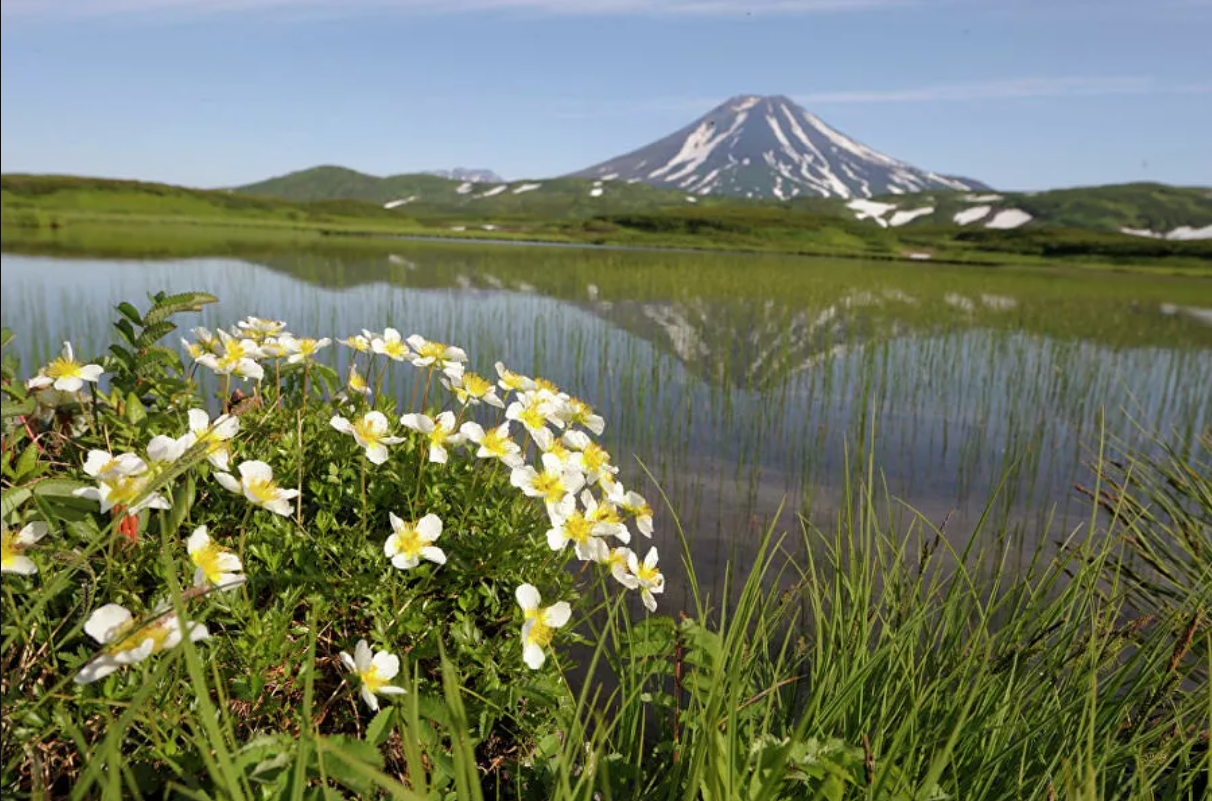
(769,147)
(476,176)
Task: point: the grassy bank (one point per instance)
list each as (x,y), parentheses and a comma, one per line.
(857,660)
(55,203)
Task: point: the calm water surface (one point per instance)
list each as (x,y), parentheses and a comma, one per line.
(743,383)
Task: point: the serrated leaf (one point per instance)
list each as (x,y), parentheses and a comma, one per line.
(380,728)
(154,333)
(135,413)
(173,304)
(130,313)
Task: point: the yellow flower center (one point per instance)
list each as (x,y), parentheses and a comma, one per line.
(495,443)
(195,350)
(207,558)
(543,383)
(550,486)
(580,409)
(595,457)
(532,418)
(439,435)
(432,350)
(357,383)
(474,386)
(540,633)
(157,632)
(617,558)
(63,368)
(307,346)
(605,513)
(264,490)
(372,680)
(124,489)
(649,575)
(558,450)
(407,541)
(643,510)
(364,430)
(512,380)
(395,348)
(578,529)
(8,547)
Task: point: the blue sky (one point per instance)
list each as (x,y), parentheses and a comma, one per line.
(1023,94)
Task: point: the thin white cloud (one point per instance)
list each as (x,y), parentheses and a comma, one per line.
(35,9)
(1008,89)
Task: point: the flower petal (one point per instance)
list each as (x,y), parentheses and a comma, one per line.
(105,623)
(528,597)
(557,614)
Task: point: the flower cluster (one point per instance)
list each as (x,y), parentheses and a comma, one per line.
(545,438)
(241,350)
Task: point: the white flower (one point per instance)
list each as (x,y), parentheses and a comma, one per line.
(446,358)
(513,382)
(359,342)
(648,577)
(65,373)
(276,347)
(618,561)
(391,345)
(575,410)
(163,450)
(570,459)
(535,410)
(114,627)
(257,328)
(256,483)
(13,546)
(103,466)
(370,432)
(234,357)
(495,443)
(633,503)
(412,542)
(374,672)
(304,348)
(121,480)
(569,524)
(356,382)
(440,432)
(472,389)
(595,460)
(552,484)
(213,564)
(541,624)
(214,435)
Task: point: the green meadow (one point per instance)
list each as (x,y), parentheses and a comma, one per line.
(925,531)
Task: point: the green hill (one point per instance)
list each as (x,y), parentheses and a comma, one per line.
(552,197)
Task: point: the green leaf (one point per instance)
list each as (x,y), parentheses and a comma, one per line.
(11,409)
(154,333)
(135,413)
(380,728)
(173,304)
(130,313)
(27,462)
(12,499)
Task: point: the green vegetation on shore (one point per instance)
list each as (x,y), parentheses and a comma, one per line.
(50,202)
(861,659)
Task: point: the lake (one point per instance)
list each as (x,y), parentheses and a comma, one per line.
(744,384)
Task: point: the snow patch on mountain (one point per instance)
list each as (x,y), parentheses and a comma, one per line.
(496,190)
(404,201)
(870,209)
(1009,218)
(909,215)
(971,215)
(1183,232)
(517,190)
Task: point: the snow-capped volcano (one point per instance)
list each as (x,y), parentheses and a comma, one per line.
(765,147)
